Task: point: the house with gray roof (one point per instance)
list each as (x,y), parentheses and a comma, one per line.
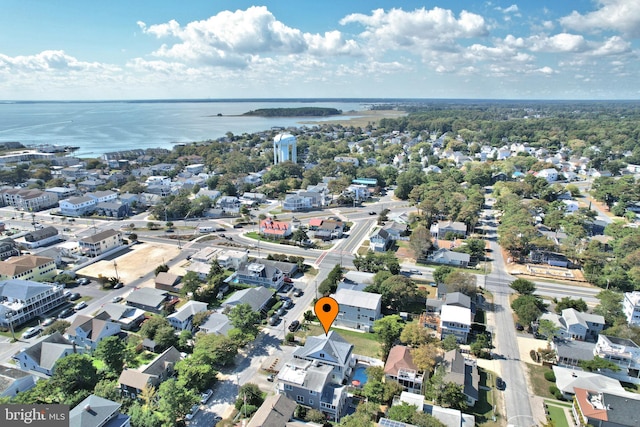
(311,385)
(331,350)
(148,299)
(14,381)
(95,411)
(567,379)
(462,373)
(128,317)
(571,352)
(41,237)
(133,381)
(446,257)
(77,206)
(601,408)
(216,323)
(575,325)
(87,331)
(260,274)
(183,317)
(275,411)
(358,310)
(43,355)
(258,298)
(441,228)
(380,240)
(100,243)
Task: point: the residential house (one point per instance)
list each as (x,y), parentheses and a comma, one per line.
(169,282)
(216,323)
(258,274)
(604,409)
(380,240)
(255,197)
(183,317)
(232,259)
(401,369)
(23,300)
(329,229)
(631,307)
(568,379)
(95,411)
(229,204)
(29,200)
(275,411)
(117,210)
(62,192)
(77,206)
(42,237)
(359,192)
(28,267)
(574,325)
(43,355)
(8,248)
(447,416)
(570,353)
(550,174)
(275,229)
(358,310)
(310,385)
(88,331)
(14,381)
(100,243)
(128,317)
(258,298)
(396,230)
(289,269)
(463,373)
(332,350)
(440,229)
(133,381)
(624,353)
(296,203)
(148,299)
(90,184)
(455,321)
(202,269)
(446,257)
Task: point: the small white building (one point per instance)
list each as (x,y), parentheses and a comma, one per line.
(358,310)
(631,307)
(455,320)
(550,174)
(182,319)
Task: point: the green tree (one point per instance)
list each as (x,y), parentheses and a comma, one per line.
(527,308)
(415,334)
(398,292)
(403,412)
(196,372)
(523,286)
(598,363)
(162,268)
(452,395)
(420,241)
(108,389)
(151,325)
(425,356)
(465,283)
(74,372)
(299,236)
(388,330)
(143,417)
(175,401)
(165,337)
(610,306)
(217,350)
(58,326)
(449,343)
(568,302)
(441,272)
(190,283)
(249,393)
(479,345)
(244,318)
(548,329)
(111,351)
(422,419)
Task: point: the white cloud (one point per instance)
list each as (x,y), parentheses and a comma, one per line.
(616,15)
(558,43)
(51,61)
(235,39)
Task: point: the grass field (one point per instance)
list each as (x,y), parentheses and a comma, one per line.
(557,415)
(538,382)
(364,343)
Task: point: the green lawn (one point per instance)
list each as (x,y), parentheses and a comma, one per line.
(557,415)
(364,343)
(483,409)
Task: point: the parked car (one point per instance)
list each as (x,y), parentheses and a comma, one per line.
(281,311)
(80,306)
(294,325)
(519,327)
(83,281)
(205,396)
(288,280)
(297,292)
(415,271)
(287,303)
(116,299)
(372,213)
(74,296)
(118,285)
(31,332)
(271,378)
(65,313)
(237,226)
(194,411)
(48,321)
(274,319)
(500,384)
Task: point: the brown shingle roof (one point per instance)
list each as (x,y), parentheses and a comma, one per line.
(98,237)
(399,358)
(21,264)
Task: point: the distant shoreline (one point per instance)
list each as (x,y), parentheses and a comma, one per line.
(353,118)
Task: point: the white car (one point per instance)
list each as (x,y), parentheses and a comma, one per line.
(31,332)
(80,306)
(205,396)
(194,411)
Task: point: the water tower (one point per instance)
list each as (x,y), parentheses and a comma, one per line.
(284,148)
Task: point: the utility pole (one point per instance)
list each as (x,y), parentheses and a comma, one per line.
(115,266)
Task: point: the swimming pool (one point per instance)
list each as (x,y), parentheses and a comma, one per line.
(360,374)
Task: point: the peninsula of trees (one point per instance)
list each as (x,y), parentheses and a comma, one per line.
(294,112)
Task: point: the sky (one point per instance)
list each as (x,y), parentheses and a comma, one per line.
(161,49)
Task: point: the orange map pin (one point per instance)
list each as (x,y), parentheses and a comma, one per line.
(326,309)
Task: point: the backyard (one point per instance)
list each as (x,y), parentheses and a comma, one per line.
(483,409)
(364,343)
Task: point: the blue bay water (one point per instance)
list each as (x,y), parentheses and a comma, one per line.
(101,127)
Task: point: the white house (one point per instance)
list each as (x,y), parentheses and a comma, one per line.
(88,331)
(550,174)
(574,325)
(331,350)
(14,381)
(232,259)
(455,320)
(624,353)
(358,310)
(43,355)
(182,319)
(631,307)
(99,243)
(23,300)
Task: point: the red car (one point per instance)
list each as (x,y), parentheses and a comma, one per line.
(287,280)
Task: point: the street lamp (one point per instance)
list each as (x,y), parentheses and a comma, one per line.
(115,266)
